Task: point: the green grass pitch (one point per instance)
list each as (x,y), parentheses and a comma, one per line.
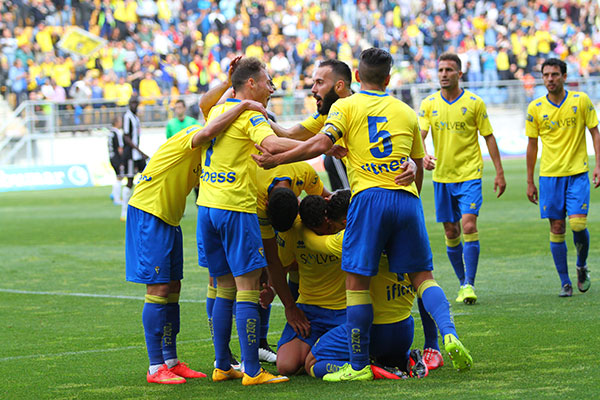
(71,325)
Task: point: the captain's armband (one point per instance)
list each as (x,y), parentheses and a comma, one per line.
(332,132)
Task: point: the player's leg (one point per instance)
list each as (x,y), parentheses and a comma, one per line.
(431,349)
(578,200)
(552,201)
(265,353)
(414,257)
(148,242)
(115,195)
(291,356)
(448,213)
(329,353)
(129,173)
(469,199)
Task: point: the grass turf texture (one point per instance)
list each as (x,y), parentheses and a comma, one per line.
(526,342)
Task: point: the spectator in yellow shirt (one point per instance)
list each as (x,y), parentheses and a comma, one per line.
(149,89)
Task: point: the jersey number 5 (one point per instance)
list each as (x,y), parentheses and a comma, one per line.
(375,135)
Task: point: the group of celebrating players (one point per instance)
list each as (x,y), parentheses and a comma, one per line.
(358,258)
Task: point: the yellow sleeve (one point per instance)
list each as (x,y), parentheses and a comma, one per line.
(285,251)
(314,123)
(314,185)
(531,126)
(266,230)
(424,122)
(336,122)
(326,244)
(591,118)
(257,127)
(483,122)
(418,150)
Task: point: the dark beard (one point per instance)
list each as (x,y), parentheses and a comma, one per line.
(330,98)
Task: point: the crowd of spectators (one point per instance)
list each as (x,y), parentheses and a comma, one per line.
(160,48)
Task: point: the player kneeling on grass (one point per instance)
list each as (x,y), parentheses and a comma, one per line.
(392,331)
(153,245)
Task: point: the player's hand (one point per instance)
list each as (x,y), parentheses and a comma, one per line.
(337,151)
(596,176)
(499,185)
(232,66)
(532,193)
(297,320)
(409,175)
(264,160)
(255,106)
(429,162)
(266,296)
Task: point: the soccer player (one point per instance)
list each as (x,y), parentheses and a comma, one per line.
(455,116)
(153,244)
(332,80)
(133,157)
(393,295)
(228,224)
(322,295)
(115,153)
(380,133)
(180,121)
(559,119)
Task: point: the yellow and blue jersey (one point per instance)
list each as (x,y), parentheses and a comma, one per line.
(314,123)
(169,177)
(380,132)
(301,177)
(392,294)
(561,127)
(454,127)
(322,281)
(228,177)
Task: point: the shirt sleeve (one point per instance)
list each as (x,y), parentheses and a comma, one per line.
(418,150)
(591,118)
(313,184)
(285,251)
(336,122)
(257,127)
(314,123)
(481,118)
(532,129)
(424,122)
(326,244)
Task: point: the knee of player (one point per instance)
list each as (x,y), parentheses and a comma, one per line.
(578,224)
(451,230)
(288,365)
(557,226)
(309,362)
(469,227)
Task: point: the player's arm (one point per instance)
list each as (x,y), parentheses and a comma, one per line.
(212,97)
(313,147)
(297,132)
(294,316)
(419,174)
(220,123)
(410,173)
(428,160)
(127,140)
(532,149)
(499,181)
(596,141)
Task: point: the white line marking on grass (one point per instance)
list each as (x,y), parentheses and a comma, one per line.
(102,296)
(77,353)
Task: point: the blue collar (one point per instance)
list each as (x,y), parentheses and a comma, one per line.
(453,101)
(561,103)
(374,93)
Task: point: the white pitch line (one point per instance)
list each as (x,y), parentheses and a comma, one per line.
(77,353)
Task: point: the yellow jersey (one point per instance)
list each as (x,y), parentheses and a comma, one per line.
(169,177)
(454,126)
(228,179)
(392,294)
(314,123)
(561,127)
(301,177)
(322,281)
(380,132)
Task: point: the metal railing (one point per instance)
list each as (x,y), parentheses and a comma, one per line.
(36,119)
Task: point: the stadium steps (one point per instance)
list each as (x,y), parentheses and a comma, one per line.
(12,130)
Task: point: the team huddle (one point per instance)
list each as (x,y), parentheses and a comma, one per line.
(356,259)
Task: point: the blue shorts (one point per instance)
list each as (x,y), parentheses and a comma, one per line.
(389,344)
(452,200)
(153,249)
(321,320)
(564,194)
(201,256)
(231,241)
(390,220)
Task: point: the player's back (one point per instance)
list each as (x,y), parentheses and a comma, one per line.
(228,178)
(381,132)
(169,177)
